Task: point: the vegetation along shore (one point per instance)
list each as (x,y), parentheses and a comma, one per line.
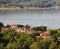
(17,36)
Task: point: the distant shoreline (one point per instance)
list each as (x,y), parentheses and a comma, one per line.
(25,8)
(47,8)
(31,8)
(16,8)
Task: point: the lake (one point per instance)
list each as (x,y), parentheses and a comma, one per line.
(50,18)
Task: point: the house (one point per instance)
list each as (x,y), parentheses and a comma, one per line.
(43,35)
(23,30)
(9,27)
(13,27)
(5,29)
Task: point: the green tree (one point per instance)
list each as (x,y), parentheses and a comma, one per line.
(35,34)
(1,25)
(40,28)
(23,41)
(1,46)
(20,25)
(58,46)
(44,28)
(58,30)
(27,27)
(45,43)
(52,32)
(53,45)
(35,45)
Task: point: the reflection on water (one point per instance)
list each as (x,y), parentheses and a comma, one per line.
(50,18)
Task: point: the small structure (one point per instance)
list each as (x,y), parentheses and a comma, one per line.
(45,35)
(13,27)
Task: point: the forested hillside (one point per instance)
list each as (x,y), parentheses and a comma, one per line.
(29,3)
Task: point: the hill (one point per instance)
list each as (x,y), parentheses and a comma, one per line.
(29,3)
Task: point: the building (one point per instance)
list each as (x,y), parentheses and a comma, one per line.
(43,35)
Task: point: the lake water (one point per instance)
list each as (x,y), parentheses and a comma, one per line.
(50,18)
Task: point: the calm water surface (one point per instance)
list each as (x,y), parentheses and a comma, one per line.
(51,18)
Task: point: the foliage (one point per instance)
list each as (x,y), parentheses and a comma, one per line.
(1,25)
(40,28)
(53,45)
(27,27)
(51,31)
(35,45)
(10,39)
